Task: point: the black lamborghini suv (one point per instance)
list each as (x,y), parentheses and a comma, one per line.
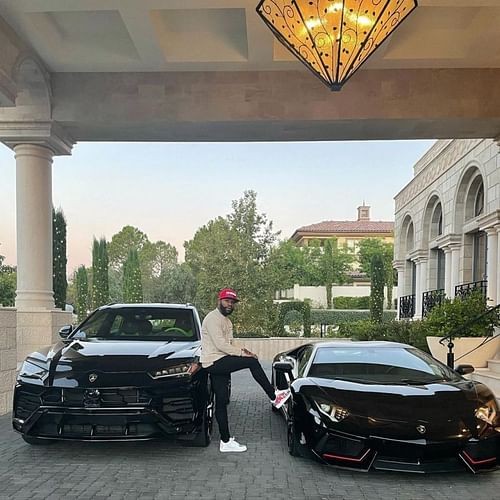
(385,405)
(128,372)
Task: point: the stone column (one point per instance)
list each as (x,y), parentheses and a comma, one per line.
(492,269)
(400,267)
(447,272)
(498,267)
(455,268)
(421,285)
(34,227)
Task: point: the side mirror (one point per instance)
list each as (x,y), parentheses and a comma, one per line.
(283,366)
(65,331)
(464,369)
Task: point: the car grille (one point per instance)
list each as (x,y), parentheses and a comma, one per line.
(115,397)
(28,400)
(178,409)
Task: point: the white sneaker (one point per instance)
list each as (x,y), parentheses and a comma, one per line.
(231,446)
(281,398)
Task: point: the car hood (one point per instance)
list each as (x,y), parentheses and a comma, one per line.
(115,356)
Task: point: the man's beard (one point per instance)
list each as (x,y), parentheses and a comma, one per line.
(225,311)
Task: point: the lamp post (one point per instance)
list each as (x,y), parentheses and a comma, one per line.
(333,38)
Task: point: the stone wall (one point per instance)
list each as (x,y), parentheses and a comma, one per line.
(266,349)
(8,361)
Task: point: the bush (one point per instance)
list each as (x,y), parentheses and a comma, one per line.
(337,317)
(343,302)
(283,310)
(406,332)
(458,317)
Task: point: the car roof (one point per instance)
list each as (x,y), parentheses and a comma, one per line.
(356,344)
(159,305)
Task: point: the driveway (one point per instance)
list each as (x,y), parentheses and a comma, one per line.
(168,470)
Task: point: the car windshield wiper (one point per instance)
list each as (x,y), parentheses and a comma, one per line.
(412,381)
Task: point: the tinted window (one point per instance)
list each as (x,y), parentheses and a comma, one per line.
(303,359)
(145,323)
(379,365)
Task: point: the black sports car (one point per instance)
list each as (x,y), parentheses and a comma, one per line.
(388,406)
(128,372)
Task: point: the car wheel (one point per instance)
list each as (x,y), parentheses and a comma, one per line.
(295,448)
(34,441)
(204,437)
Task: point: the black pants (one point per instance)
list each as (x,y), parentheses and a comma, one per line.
(220,372)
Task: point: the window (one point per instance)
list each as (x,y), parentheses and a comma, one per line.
(479,201)
(303,359)
(441,260)
(479,256)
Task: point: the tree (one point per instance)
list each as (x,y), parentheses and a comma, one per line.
(82,293)
(8,283)
(232,251)
(59,259)
(175,285)
(132,285)
(334,263)
(371,246)
(128,237)
(377,273)
(154,259)
(289,264)
(100,280)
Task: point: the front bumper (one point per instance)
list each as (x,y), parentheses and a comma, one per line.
(364,453)
(110,414)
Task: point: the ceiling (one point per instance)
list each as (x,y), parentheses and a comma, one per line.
(219,35)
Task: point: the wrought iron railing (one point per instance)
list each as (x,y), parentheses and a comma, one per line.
(466,289)
(431,299)
(407,307)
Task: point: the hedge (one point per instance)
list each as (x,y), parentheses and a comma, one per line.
(343,302)
(336,317)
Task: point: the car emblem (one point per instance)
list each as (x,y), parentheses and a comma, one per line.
(92,377)
(421,429)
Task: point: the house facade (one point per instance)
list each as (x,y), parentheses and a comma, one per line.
(447,225)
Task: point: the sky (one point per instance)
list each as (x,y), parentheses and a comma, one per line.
(169,190)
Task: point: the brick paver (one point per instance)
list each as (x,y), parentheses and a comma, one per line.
(169,470)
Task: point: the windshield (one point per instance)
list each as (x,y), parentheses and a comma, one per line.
(386,365)
(140,323)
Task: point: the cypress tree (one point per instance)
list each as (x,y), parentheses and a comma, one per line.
(100,280)
(59,259)
(378,275)
(132,286)
(82,293)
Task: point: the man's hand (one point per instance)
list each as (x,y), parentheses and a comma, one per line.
(248,354)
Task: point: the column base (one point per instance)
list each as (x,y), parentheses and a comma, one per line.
(34,300)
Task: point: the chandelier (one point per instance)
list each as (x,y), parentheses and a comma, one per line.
(333,38)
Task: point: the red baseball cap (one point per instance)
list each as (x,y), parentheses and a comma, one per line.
(228,293)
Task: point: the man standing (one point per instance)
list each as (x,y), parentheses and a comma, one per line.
(220,358)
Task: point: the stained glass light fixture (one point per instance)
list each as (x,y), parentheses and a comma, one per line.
(333,38)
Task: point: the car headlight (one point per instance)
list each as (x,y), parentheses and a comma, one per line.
(182,370)
(333,411)
(487,412)
(29,369)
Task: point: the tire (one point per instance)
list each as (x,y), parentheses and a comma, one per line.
(203,438)
(295,448)
(34,441)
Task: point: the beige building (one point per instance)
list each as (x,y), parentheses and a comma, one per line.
(447,225)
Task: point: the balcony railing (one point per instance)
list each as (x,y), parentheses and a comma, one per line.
(407,307)
(431,299)
(466,289)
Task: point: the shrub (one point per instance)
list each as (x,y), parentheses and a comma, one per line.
(406,332)
(459,317)
(281,312)
(343,302)
(337,317)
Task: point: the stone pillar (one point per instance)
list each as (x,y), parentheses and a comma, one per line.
(421,285)
(498,267)
(455,268)
(400,267)
(34,227)
(492,269)
(447,272)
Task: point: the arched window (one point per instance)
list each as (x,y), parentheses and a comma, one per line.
(479,201)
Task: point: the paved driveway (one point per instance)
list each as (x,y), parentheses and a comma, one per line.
(167,470)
